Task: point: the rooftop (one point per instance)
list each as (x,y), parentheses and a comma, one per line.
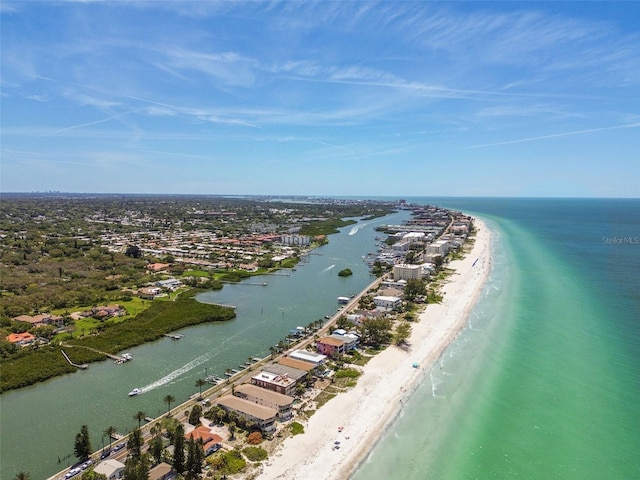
(245,406)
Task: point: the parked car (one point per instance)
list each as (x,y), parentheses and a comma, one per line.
(86,464)
(73,472)
(119,446)
(105,454)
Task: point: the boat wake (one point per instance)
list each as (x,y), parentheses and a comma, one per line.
(355,228)
(176,373)
(205,357)
(328,268)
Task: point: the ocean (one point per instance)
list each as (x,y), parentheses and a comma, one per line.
(544,383)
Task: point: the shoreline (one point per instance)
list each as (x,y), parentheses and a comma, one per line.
(388,380)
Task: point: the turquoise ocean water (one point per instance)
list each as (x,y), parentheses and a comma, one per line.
(544,383)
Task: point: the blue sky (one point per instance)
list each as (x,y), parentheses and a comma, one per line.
(321,98)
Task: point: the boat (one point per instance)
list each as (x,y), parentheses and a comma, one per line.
(134,392)
(126,357)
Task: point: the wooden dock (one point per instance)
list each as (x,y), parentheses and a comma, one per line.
(83,366)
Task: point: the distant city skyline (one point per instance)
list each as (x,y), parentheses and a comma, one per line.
(352,98)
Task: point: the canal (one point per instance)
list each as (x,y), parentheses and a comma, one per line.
(39,423)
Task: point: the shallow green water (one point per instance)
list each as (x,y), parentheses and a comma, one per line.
(546,382)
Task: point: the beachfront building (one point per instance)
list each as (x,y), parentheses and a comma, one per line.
(263,417)
(286,371)
(439,247)
(350,339)
(355,318)
(275,382)
(306,356)
(330,346)
(211,442)
(404,271)
(297,364)
(388,303)
(111,468)
(283,404)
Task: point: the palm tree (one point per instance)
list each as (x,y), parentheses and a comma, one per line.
(200,383)
(22,476)
(109,432)
(140,416)
(169,399)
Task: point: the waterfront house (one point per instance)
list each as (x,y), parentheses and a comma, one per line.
(211,442)
(285,370)
(22,339)
(283,404)
(149,293)
(170,284)
(350,339)
(297,364)
(263,417)
(355,318)
(330,346)
(111,468)
(162,471)
(276,382)
(311,357)
(388,303)
(41,319)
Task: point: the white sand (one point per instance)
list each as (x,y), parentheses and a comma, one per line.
(364,411)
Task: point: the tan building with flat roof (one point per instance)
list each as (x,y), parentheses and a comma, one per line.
(299,364)
(264,417)
(283,404)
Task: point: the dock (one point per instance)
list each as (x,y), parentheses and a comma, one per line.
(82,366)
(224,305)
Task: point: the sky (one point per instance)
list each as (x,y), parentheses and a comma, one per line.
(393,98)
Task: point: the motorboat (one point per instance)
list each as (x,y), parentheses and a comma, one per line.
(135,391)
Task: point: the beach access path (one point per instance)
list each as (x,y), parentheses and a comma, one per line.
(357,418)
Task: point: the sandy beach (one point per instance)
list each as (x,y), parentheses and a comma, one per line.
(358,417)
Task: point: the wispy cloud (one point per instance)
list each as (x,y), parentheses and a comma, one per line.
(556,135)
(88,124)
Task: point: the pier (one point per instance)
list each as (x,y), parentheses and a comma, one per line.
(117,358)
(83,366)
(224,305)
(261,284)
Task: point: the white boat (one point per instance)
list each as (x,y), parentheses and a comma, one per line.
(135,391)
(127,356)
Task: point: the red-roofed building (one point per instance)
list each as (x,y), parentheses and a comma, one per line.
(21,339)
(211,442)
